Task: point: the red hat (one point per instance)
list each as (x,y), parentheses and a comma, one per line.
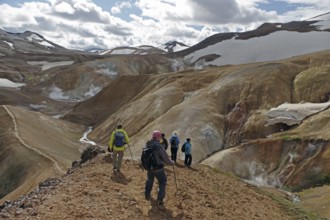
(156,135)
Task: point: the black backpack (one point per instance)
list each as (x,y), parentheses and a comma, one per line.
(119,139)
(148,159)
(183,148)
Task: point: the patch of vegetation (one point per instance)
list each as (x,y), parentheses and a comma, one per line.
(291,138)
(218,171)
(325,179)
(293,209)
(314,180)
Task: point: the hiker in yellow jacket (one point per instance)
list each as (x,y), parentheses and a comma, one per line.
(117,143)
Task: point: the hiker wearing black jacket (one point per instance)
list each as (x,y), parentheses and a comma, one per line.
(164,141)
(158,172)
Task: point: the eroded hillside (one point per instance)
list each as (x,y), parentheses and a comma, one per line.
(34,147)
(218,107)
(222,109)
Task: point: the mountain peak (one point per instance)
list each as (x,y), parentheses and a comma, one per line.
(172,46)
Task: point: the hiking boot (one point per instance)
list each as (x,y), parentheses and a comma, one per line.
(160,202)
(115,169)
(147,197)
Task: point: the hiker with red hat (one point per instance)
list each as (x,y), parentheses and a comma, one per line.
(158,171)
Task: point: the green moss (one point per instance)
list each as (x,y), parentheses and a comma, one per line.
(293,209)
(231,175)
(291,138)
(325,179)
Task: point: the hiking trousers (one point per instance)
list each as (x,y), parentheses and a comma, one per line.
(117,158)
(161,178)
(187,159)
(174,152)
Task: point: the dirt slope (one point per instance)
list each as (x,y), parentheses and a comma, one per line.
(93,191)
(34,147)
(317,200)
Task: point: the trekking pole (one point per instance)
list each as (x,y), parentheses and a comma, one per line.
(176,184)
(129,148)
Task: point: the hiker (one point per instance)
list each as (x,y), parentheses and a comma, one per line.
(174,141)
(187,153)
(161,157)
(117,142)
(164,141)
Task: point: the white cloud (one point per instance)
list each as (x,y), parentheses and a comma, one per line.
(115,10)
(118,8)
(81,23)
(64,7)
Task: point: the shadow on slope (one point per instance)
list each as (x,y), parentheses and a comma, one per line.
(33,148)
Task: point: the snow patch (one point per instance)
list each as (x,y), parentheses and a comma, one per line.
(78,94)
(48,65)
(46,44)
(104,52)
(93,90)
(293,113)
(33,37)
(288,44)
(11,45)
(107,72)
(57,94)
(107,69)
(10,84)
(123,51)
(322,25)
(145,47)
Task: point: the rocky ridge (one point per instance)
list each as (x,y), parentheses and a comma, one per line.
(90,190)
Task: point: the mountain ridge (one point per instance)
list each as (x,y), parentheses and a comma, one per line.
(91,190)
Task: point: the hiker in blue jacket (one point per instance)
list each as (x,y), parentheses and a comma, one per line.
(187,153)
(174,141)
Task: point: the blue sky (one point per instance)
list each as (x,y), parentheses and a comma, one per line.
(79,24)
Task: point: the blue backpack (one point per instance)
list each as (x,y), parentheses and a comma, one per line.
(174,141)
(119,139)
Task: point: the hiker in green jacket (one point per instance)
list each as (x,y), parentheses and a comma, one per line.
(117,143)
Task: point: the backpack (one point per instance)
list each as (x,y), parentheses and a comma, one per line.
(148,159)
(173,141)
(119,139)
(165,143)
(183,148)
